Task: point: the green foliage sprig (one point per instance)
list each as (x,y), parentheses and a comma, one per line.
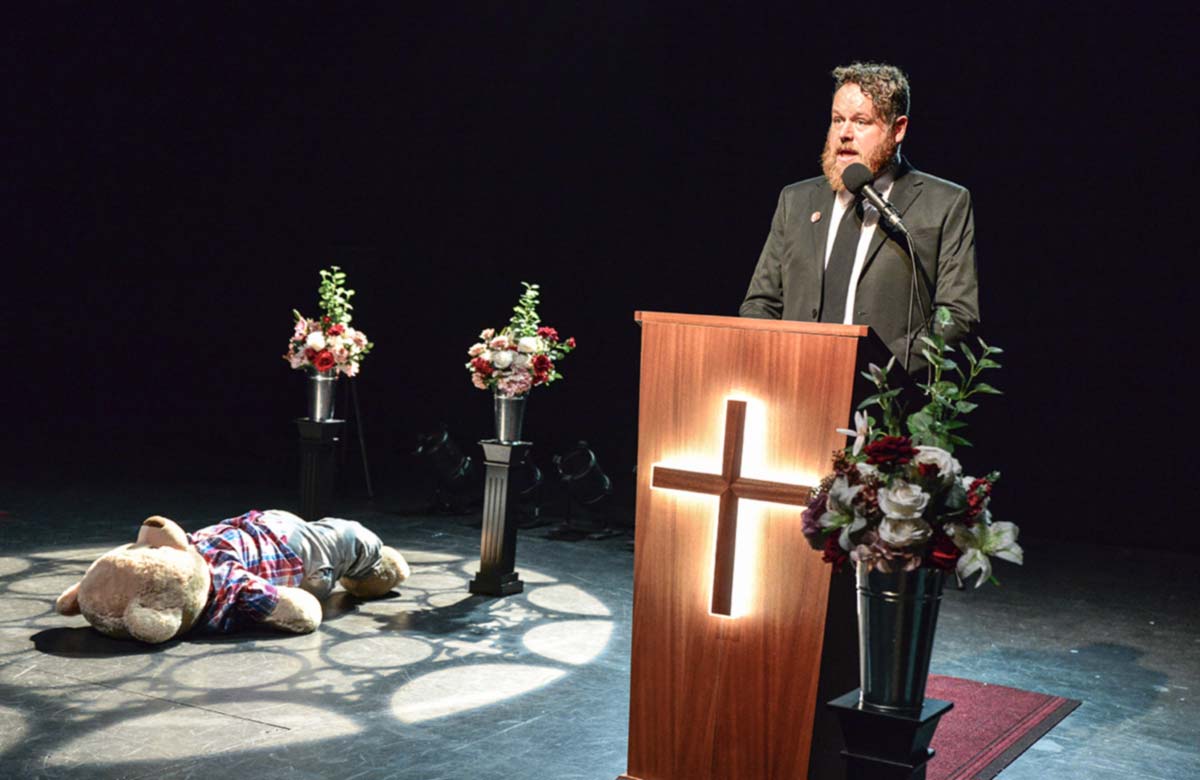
(335,298)
(949,392)
(525,319)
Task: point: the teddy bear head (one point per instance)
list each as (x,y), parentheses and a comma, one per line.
(152,590)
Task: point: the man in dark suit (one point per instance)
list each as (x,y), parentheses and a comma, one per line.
(828,258)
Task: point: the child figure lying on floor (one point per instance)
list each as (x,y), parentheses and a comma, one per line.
(262,567)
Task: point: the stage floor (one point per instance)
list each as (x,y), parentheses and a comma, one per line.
(436,683)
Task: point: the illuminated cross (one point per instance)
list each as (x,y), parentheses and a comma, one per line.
(731,486)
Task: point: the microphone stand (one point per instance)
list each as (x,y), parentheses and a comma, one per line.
(913,292)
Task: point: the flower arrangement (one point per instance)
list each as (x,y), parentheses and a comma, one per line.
(897,498)
(328,344)
(521,356)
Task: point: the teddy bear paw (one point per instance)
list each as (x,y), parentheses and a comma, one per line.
(391,570)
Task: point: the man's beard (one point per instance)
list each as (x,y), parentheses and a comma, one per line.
(883,156)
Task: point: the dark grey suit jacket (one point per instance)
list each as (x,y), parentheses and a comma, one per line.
(787,281)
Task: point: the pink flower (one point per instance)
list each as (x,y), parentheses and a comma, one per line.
(487,333)
(498,343)
(478,381)
(350,369)
(517,383)
(571,343)
(476,350)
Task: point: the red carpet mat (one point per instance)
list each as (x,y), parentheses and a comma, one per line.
(989,726)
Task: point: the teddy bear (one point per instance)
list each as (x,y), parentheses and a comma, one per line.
(267,568)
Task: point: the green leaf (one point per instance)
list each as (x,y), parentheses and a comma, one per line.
(943,316)
(869,400)
(965,407)
(960,440)
(967,351)
(988,363)
(984,387)
(949,389)
(949,365)
(919,423)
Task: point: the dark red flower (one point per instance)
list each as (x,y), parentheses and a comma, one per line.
(977,496)
(325,320)
(542,364)
(481,366)
(891,451)
(928,470)
(548,333)
(571,342)
(324,360)
(337,330)
(834,554)
(540,379)
(943,553)
(310,354)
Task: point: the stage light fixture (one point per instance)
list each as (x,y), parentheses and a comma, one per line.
(456,476)
(588,486)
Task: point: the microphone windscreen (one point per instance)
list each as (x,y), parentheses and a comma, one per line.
(856,176)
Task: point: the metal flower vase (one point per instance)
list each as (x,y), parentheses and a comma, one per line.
(897,615)
(321,387)
(510,415)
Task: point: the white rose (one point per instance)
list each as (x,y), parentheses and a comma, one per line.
(527,344)
(949,469)
(335,342)
(521,361)
(904,533)
(315,340)
(903,500)
(502,359)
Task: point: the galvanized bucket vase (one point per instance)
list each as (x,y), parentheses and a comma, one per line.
(510,415)
(321,387)
(897,615)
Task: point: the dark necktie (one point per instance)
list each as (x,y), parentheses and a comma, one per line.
(836,283)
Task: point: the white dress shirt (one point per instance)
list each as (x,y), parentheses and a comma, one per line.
(843,201)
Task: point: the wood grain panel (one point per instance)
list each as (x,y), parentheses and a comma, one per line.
(715,697)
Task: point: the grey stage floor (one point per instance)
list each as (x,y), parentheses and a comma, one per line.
(434,683)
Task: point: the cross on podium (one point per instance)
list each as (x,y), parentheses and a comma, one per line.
(732,487)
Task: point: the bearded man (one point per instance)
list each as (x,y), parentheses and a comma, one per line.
(828,258)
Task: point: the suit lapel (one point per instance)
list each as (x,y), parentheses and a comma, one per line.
(905,191)
(822,203)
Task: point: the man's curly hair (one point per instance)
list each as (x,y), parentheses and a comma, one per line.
(886,85)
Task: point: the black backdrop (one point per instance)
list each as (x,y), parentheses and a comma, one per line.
(177,175)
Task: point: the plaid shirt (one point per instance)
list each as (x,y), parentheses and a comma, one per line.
(249,557)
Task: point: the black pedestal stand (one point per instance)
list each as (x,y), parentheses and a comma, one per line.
(498,543)
(318,462)
(886,746)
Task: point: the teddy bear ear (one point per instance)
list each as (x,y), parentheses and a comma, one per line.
(68,602)
(148,624)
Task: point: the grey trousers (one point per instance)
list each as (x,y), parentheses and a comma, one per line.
(331,548)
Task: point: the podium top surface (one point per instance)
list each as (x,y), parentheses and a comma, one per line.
(750,323)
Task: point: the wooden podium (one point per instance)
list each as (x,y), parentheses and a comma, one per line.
(738,637)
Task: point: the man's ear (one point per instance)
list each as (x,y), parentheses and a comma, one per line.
(68,602)
(899,128)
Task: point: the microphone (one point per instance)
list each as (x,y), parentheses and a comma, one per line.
(857,178)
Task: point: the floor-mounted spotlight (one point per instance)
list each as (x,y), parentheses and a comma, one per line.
(588,487)
(526,481)
(457,478)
